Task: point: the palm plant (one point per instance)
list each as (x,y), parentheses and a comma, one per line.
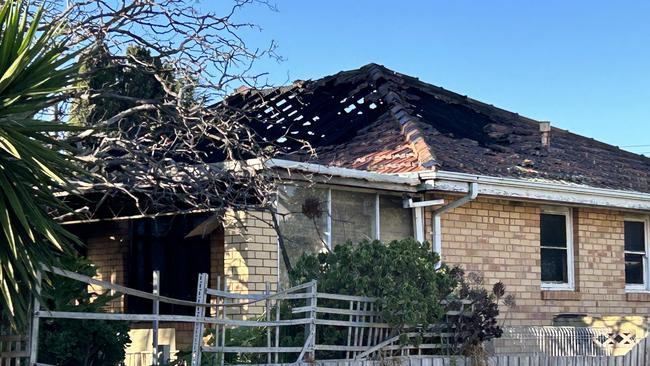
(35,74)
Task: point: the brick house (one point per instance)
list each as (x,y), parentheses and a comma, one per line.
(561,219)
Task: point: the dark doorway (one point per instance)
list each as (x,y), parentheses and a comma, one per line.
(160,244)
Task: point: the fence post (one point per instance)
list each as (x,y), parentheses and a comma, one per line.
(267,305)
(156,311)
(197,340)
(33,335)
(224,312)
(313,303)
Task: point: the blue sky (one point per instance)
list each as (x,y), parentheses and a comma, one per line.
(583,65)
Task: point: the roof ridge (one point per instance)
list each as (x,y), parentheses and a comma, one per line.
(409,124)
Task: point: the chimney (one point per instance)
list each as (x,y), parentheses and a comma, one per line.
(545,130)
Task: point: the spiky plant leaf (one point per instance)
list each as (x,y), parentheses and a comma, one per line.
(35,71)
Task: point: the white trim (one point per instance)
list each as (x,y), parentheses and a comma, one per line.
(645,287)
(537,190)
(329,218)
(410,180)
(570,285)
(377,218)
(418,223)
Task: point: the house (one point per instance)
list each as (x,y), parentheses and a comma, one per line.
(560,218)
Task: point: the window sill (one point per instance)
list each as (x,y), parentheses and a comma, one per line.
(560,295)
(638,296)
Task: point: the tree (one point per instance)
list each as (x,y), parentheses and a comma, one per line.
(35,73)
(157,74)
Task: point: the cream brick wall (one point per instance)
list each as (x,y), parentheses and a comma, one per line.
(250,256)
(500,239)
(107,249)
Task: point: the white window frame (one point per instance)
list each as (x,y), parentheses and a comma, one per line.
(570,285)
(645,287)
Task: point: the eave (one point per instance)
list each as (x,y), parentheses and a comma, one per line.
(522,189)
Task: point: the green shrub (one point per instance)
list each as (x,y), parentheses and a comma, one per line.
(410,285)
(72,342)
(401,274)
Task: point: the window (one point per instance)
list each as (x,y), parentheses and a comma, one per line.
(160,244)
(396,222)
(354,217)
(636,272)
(317,219)
(556,247)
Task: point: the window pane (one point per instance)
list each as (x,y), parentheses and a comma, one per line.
(302,220)
(553,230)
(634,236)
(634,268)
(353,217)
(554,265)
(396,222)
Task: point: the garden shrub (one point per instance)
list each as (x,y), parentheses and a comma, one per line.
(410,285)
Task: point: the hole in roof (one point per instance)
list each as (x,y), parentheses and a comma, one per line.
(307,123)
(361,101)
(372,106)
(280,103)
(350,108)
(281,139)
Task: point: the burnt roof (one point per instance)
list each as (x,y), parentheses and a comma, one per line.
(378,120)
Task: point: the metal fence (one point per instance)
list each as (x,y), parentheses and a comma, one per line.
(562,341)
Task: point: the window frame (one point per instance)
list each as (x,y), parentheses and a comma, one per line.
(567,212)
(417,214)
(645,287)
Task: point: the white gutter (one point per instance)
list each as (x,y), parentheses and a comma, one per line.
(536,190)
(410,180)
(472,189)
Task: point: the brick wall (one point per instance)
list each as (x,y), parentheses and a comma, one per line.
(250,256)
(107,248)
(500,239)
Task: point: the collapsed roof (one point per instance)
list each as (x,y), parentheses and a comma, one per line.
(378,120)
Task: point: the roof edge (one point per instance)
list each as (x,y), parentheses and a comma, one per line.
(568,193)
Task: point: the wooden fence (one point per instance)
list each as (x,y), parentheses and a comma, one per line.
(367,339)
(355,318)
